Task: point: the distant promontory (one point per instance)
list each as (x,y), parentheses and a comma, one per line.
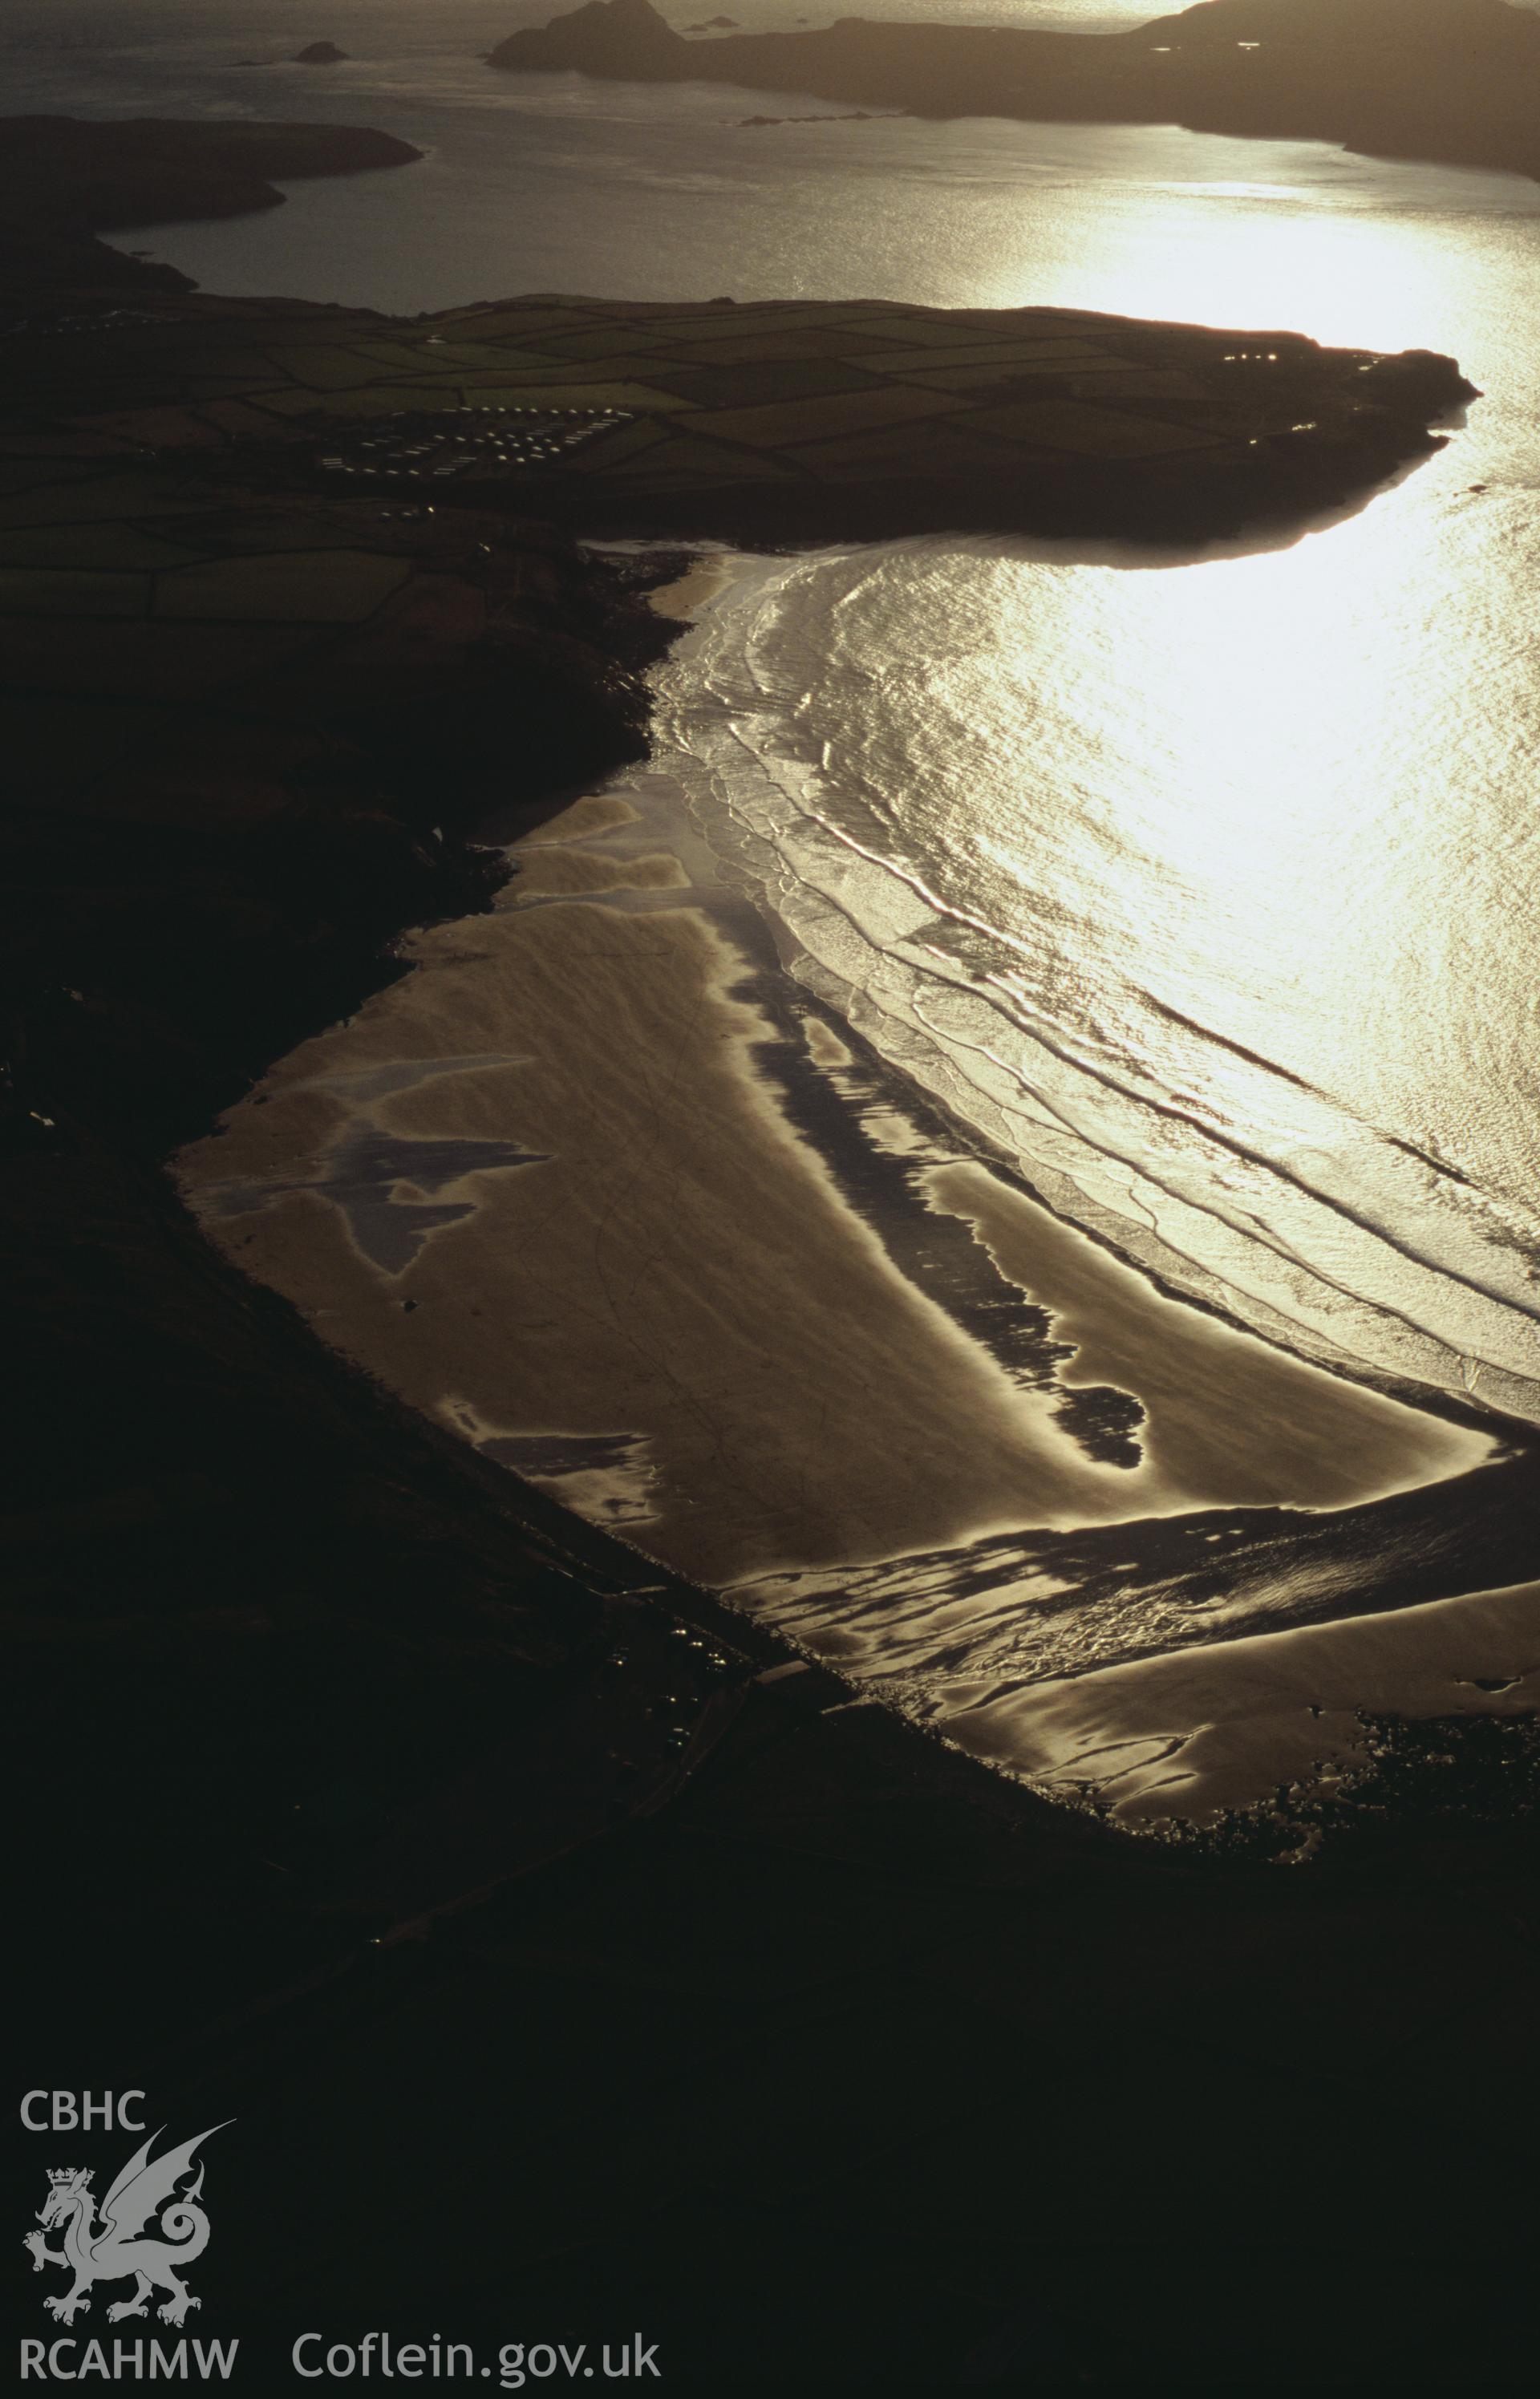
(64,180)
(1453,82)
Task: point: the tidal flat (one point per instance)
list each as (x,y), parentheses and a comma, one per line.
(596,1187)
(315,668)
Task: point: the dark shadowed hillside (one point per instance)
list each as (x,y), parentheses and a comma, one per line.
(63,181)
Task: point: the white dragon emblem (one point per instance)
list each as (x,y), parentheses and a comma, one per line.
(112,2250)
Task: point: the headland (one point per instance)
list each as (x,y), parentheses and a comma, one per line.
(66,180)
(1448,81)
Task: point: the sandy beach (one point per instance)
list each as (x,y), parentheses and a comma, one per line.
(676,1274)
(1229,1420)
(599,1189)
(583,1216)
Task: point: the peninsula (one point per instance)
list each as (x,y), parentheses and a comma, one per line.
(768,421)
(1447,81)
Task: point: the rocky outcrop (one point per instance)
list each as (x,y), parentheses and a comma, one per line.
(610,38)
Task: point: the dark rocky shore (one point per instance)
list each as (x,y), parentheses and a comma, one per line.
(1448,81)
(851,2064)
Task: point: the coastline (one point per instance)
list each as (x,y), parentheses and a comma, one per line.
(1414,80)
(65,182)
(659,1205)
(291,1583)
(469,1856)
(301,782)
(351,814)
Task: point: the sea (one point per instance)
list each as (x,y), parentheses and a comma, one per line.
(1201,889)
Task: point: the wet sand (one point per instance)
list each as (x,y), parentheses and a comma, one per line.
(1223,1728)
(1228,1419)
(678,1272)
(596,1187)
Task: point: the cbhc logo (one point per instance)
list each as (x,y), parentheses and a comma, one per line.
(69,2111)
